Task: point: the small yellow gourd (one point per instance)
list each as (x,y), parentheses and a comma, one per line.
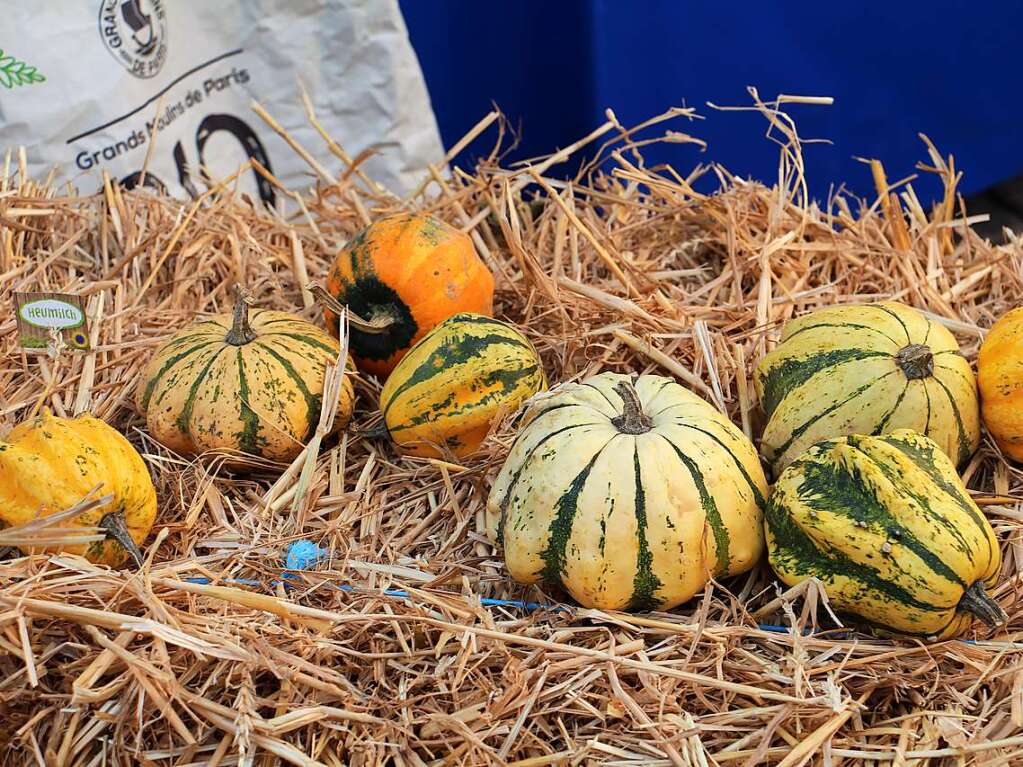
(49,464)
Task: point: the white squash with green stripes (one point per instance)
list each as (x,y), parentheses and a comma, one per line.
(241,385)
(866,370)
(630,493)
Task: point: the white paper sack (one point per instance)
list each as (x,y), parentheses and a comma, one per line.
(80,82)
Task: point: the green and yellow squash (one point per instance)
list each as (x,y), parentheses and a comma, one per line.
(241,384)
(49,464)
(866,370)
(630,493)
(444,395)
(889,529)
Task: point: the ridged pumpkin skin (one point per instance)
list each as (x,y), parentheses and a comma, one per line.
(413,270)
(867,369)
(49,464)
(240,383)
(629,493)
(1000,374)
(446,392)
(889,529)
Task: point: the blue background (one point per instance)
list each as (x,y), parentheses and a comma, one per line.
(946,69)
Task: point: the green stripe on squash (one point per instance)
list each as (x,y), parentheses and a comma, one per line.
(248,436)
(185,416)
(313,402)
(710,511)
(561,526)
(831,489)
(166,367)
(645,584)
(785,377)
(800,430)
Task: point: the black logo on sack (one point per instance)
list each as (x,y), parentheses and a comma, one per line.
(135,33)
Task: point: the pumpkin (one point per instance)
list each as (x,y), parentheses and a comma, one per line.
(1000,375)
(889,529)
(404,274)
(49,464)
(866,370)
(446,392)
(628,493)
(241,384)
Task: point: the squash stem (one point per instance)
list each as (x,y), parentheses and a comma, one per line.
(241,332)
(632,420)
(376,325)
(916,361)
(976,602)
(114,525)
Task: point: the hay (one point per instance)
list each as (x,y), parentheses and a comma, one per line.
(207,657)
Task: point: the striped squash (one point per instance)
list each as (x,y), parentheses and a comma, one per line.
(410,271)
(1000,375)
(237,383)
(628,493)
(444,395)
(891,532)
(866,370)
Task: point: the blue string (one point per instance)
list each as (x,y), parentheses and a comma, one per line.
(303,554)
(290,578)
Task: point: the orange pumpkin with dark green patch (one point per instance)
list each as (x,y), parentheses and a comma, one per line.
(405,274)
(241,384)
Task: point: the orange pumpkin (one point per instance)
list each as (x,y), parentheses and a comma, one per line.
(407,273)
(1000,375)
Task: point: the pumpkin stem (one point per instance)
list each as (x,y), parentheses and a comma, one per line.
(632,420)
(976,602)
(916,361)
(374,326)
(114,525)
(241,332)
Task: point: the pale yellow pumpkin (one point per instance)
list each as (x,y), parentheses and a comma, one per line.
(628,493)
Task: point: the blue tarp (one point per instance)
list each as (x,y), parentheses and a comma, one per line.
(947,69)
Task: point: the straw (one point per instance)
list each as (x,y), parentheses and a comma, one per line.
(407,643)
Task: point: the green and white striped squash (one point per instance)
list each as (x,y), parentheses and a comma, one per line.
(241,385)
(888,528)
(628,493)
(867,369)
(443,396)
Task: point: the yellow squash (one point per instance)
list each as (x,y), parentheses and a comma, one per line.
(446,392)
(889,529)
(1000,374)
(241,384)
(49,464)
(628,493)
